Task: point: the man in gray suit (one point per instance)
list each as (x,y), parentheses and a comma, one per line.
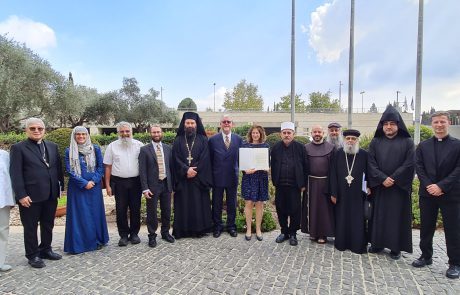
(156,181)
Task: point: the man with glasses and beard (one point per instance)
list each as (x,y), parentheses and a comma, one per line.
(192,179)
(122,180)
(346,182)
(391,171)
(155,160)
(334,134)
(37,180)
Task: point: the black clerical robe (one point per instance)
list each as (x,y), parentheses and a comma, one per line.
(192,205)
(391,222)
(350,225)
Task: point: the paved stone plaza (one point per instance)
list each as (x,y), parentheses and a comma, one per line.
(224,266)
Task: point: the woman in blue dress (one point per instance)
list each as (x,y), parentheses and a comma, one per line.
(254,185)
(86,226)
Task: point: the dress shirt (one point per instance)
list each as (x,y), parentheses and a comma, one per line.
(229,136)
(124,159)
(6,192)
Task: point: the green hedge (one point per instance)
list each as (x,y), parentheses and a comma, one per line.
(275,137)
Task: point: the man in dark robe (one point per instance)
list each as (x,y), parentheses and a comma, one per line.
(438,168)
(347,182)
(334,134)
(288,171)
(391,171)
(192,179)
(317,208)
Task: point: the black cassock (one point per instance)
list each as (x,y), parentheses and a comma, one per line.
(391,222)
(350,225)
(192,205)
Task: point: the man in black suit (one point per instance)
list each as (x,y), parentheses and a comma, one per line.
(37,179)
(155,161)
(438,168)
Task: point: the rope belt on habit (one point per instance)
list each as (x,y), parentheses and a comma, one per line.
(319,177)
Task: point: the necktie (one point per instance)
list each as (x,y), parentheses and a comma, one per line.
(160,161)
(227,142)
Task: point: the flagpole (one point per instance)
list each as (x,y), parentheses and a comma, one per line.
(418,82)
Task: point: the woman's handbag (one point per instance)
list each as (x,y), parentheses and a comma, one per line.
(367,209)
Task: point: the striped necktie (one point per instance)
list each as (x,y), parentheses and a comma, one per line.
(227,142)
(160,161)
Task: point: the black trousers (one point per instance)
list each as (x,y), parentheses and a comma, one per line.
(217,204)
(128,194)
(165,206)
(450,212)
(288,205)
(38,212)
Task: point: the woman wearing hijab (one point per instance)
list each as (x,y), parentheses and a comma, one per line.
(86,226)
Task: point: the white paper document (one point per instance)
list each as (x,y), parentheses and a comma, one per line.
(254,158)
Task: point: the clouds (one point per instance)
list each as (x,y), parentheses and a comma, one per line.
(37,36)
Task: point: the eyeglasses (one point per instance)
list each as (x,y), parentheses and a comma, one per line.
(226,122)
(36,128)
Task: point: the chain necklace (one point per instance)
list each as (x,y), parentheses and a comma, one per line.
(349,178)
(189,149)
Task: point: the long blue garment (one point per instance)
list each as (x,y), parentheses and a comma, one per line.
(86,226)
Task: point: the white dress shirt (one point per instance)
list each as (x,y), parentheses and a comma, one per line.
(124,159)
(6,192)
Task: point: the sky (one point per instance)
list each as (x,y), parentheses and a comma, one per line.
(182,47)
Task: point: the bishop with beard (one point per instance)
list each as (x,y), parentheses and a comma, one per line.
(192,179)
(347,176)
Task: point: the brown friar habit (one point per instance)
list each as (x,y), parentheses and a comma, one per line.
(317,208)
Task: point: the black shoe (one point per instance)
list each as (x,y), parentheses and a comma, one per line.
(152,242)
(216,233)
(168,238)
(50,255)
(421,262)
(99,246)
(232,233)
(453,272)
(134,239)
(259,238)
(36,262)
(281,238)
(374,250)
(395,255)
(293,240)
(247,238)
(123,242)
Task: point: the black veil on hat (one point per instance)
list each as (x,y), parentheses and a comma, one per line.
(392,114)
(193,116)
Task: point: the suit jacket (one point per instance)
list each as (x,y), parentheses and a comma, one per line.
(301,163)
(30,176)
(224,161)
(446,174)
(148,167)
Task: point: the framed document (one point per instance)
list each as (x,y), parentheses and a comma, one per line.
(254,158)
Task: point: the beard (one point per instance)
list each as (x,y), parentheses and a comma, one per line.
(351,149)
(190,131)
(126,141)
(317,139)
(157,139)
(335,140)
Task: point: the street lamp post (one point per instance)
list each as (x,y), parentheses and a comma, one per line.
(214,96)
(362,101)
(397,98)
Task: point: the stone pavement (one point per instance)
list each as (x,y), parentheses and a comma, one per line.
(224,266)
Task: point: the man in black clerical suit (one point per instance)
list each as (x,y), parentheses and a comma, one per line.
(155,160)
(438,168)
(37,179)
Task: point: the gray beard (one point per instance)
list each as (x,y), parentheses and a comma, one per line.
(126,141)
(337,141)
(351,149)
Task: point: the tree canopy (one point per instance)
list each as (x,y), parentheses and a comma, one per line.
(187,104)
(244,96)
(323,103)
(285,104)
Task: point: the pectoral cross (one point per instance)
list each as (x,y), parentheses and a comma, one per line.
(189,158)
(349,179)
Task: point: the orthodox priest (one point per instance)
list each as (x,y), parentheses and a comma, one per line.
(192,179)
(347,184)
(391,171)
(317,208)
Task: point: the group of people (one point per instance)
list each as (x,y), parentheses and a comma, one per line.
(321,188)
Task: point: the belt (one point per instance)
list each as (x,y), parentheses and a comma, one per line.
(318,177)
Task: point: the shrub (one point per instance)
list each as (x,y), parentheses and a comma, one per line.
(61,137)
(273,138)
(268,222)
(242,130)
(425,132)
(365,141)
